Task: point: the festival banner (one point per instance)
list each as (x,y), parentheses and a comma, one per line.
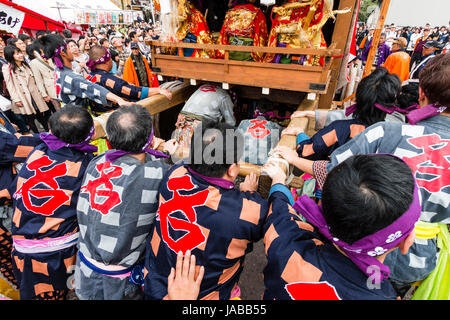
(101,17)
(10,19)
(110,17)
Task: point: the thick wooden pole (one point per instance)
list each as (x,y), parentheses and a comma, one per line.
(341,35)
(159,103)
(154,104)
(376,37)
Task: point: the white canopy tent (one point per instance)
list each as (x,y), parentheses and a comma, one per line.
(64,10)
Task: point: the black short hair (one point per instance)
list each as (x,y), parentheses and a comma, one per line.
(131,35)
(379,87)
(37,46)
(365,194)
(40,33)
(9,52)
(24,37)
(71,40)
(67,33)
(128,128)
(30,51)
(114,54)
(409,95)
(96,52)
(50,43)
(214,148)
(71,124)
(264,105)
(12,41)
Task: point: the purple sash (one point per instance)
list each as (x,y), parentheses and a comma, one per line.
(91,64)
(389,110)
(414,113)
(114,155)
(54,143)
(223,183)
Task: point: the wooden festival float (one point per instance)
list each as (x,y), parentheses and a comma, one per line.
(310,86)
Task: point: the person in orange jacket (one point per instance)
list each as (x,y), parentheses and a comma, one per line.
(398,62)
(367,39)
(137,71)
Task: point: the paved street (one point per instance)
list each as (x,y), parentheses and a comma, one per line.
(251,281)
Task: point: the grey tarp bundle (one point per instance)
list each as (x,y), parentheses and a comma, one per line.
(260,137)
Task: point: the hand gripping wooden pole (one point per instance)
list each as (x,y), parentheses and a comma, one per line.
(289,141)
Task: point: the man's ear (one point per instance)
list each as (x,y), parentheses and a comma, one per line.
(233,170)
(422,96)
(407,242)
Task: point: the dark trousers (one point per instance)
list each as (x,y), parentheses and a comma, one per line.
(18,120)
(41,117)
(416,56)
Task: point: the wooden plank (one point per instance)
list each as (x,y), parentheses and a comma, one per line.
(159,103)
(272,50)
(99,131)
(290,141)
(162,58)
(286,78)
(341,35)
(376,37)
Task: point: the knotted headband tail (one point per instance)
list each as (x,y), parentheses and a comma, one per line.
(426,112)
(56,58)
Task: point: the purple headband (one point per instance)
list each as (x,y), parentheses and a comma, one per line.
(91,64)
(269,114)
(54,143)
(389,110)
(364,251)
(419,114)
(114,155)
(226,184)
(58,61)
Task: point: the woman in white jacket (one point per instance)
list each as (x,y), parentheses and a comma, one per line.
(26,99)
(44,75)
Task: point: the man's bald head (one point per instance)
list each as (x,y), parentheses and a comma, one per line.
(129,128)
(96,52)
(71,124)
